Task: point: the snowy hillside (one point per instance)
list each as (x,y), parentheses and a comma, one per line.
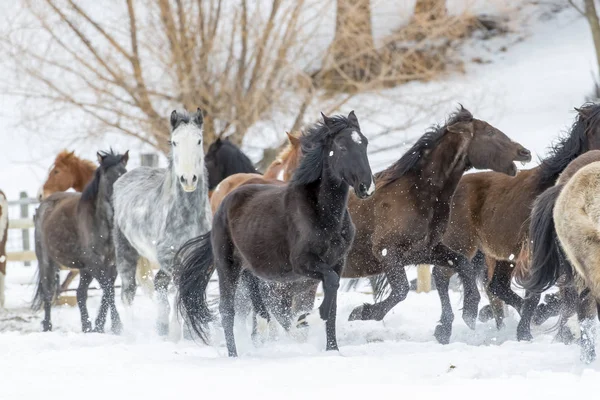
(528,91)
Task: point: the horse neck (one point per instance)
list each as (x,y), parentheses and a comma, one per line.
(443,167)
(331,196)
(83,172)
(98,212)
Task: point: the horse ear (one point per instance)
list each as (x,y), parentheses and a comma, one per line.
(198,117)
(174,119)
(353,120)
(459,127)
(326,120)
(294,141)
(101,157)
(583,111)
(125,158)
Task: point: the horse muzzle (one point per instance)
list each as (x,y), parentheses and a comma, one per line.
(363,191)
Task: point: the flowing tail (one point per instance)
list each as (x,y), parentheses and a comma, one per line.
(192,274)
(547,260)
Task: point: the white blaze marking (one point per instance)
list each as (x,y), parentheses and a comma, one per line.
(384,252)
(356,137)
(330,153)
(280,175)
(511,257)
(371,188)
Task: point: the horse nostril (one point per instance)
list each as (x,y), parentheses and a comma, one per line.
(182,179)
(195,178)
(362,187)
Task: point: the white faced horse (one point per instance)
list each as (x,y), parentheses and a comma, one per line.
(157,210)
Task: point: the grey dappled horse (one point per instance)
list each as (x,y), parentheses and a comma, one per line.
(157,210)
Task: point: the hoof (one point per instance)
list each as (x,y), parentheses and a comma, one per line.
(486,313)
(524,336)
(162,329)
(470,320)
(564,335)
(117,328)
(588,357)
(46,326)
(86,327)
(308,319)
(442,334)
(98,329)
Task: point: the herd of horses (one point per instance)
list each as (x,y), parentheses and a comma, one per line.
(280,234)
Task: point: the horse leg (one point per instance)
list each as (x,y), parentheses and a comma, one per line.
(441,277)
(568,307)
(260,309)
(127,258)
(161,285)
(444,256)
(500,285)
(396,276)
(85,278)
(529,305)
(551,308)
(49,276)
(107,304)
(229,273)
(586,313)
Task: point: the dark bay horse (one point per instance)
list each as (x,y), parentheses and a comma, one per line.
(490,213)
(283,233)
(75,229)
(403,223)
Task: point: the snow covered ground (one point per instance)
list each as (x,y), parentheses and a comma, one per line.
(528,91)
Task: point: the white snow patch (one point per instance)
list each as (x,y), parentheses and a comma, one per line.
(511,257)
(280,175)
(331,153)
(450,262)
(384,252)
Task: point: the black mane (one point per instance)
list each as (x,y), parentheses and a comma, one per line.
(110,159)
(429,140)
(313,143)
(569,147)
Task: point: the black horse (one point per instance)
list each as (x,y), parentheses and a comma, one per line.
(75,230)
(282,233)
(223,159)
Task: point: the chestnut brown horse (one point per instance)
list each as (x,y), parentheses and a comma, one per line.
(71,172)
(280,170)
(403,223)
(490,213)
(68,171)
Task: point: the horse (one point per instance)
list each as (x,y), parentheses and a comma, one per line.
(490,213)
(71,172)
(224,159)
(74,229)
(282,233)
(3,239)
(281,169)
(157,210)
(565,244)
(403,223)
(68,171)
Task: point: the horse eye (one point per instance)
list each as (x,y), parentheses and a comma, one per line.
(55,171)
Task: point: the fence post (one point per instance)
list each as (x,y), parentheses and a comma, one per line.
(25,232)
(149,160)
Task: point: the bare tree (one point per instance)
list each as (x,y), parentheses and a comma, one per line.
(590,14)
(235,61)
